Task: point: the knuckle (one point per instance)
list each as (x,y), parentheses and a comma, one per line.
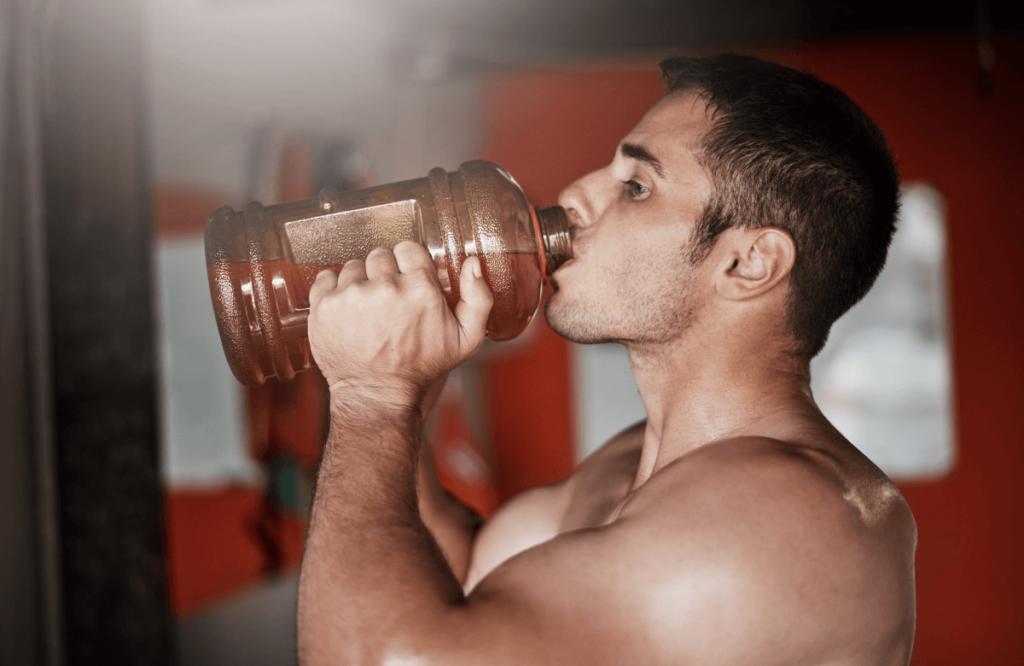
(425,275)
(421,285)
(388,284)
(356,291)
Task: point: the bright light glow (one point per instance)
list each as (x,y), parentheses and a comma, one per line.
(885,377)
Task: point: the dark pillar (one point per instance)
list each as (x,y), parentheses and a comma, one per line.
(19,607)
(98,243)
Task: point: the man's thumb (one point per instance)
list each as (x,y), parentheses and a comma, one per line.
(475,301)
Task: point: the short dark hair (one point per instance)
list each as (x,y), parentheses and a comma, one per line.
(786,149)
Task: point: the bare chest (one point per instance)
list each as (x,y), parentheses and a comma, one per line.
(590,498)
(602,484)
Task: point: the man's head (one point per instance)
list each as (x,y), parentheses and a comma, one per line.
(777,150)
(788,150)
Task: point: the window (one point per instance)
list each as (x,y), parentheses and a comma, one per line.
(203,413)
(884,378)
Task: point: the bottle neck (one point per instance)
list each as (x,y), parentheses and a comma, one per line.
(554,233)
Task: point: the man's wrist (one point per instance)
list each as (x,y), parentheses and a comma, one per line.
(373,443)
(371,400)
(382,413)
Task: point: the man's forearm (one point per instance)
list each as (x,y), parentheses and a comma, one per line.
(373,577)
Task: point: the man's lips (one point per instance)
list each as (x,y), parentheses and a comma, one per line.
(568,261)
(577,252)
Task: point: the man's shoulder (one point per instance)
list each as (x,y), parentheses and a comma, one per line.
(749,548)
(758,483)
(787,538)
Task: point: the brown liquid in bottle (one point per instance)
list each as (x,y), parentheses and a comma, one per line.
(513,308)
(510,314)
(261,293)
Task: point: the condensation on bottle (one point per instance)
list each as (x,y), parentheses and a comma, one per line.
(262,260)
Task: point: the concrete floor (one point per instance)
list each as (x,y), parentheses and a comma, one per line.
(254,628)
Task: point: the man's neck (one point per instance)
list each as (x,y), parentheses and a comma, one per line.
(698,393)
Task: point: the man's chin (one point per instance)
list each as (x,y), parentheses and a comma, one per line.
(571,322)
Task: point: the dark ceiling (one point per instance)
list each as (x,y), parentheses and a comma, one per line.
(652,25)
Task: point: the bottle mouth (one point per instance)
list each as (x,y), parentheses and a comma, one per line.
(554,233)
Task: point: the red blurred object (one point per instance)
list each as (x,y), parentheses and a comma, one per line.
(289,418)
(462,465)
(213,545)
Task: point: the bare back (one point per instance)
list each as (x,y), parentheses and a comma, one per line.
(750,550)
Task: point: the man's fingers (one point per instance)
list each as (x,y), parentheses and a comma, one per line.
(473,307)
(381,262)
(325,282)
(353,271)
(412,257)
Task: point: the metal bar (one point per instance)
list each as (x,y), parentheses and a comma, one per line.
(28,19)
(102,350)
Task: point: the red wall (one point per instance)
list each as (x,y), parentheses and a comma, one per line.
(548,129)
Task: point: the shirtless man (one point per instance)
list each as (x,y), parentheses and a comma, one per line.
(749,209)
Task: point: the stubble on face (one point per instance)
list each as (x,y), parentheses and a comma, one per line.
(645,299)
(634,280)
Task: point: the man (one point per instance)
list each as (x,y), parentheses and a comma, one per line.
(746,211)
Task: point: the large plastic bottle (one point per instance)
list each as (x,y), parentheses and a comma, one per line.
(262,261)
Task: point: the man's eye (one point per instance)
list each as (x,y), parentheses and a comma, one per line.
(635,189)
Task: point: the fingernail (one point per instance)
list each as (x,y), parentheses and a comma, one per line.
(477,270)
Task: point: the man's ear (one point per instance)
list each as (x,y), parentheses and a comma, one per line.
(754,261)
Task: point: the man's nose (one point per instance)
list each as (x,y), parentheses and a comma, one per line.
(579,202)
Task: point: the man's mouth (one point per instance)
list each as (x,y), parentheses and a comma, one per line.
(562,266)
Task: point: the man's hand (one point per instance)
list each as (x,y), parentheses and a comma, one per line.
(382,326)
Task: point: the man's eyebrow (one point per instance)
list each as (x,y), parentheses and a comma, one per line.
(643,155)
